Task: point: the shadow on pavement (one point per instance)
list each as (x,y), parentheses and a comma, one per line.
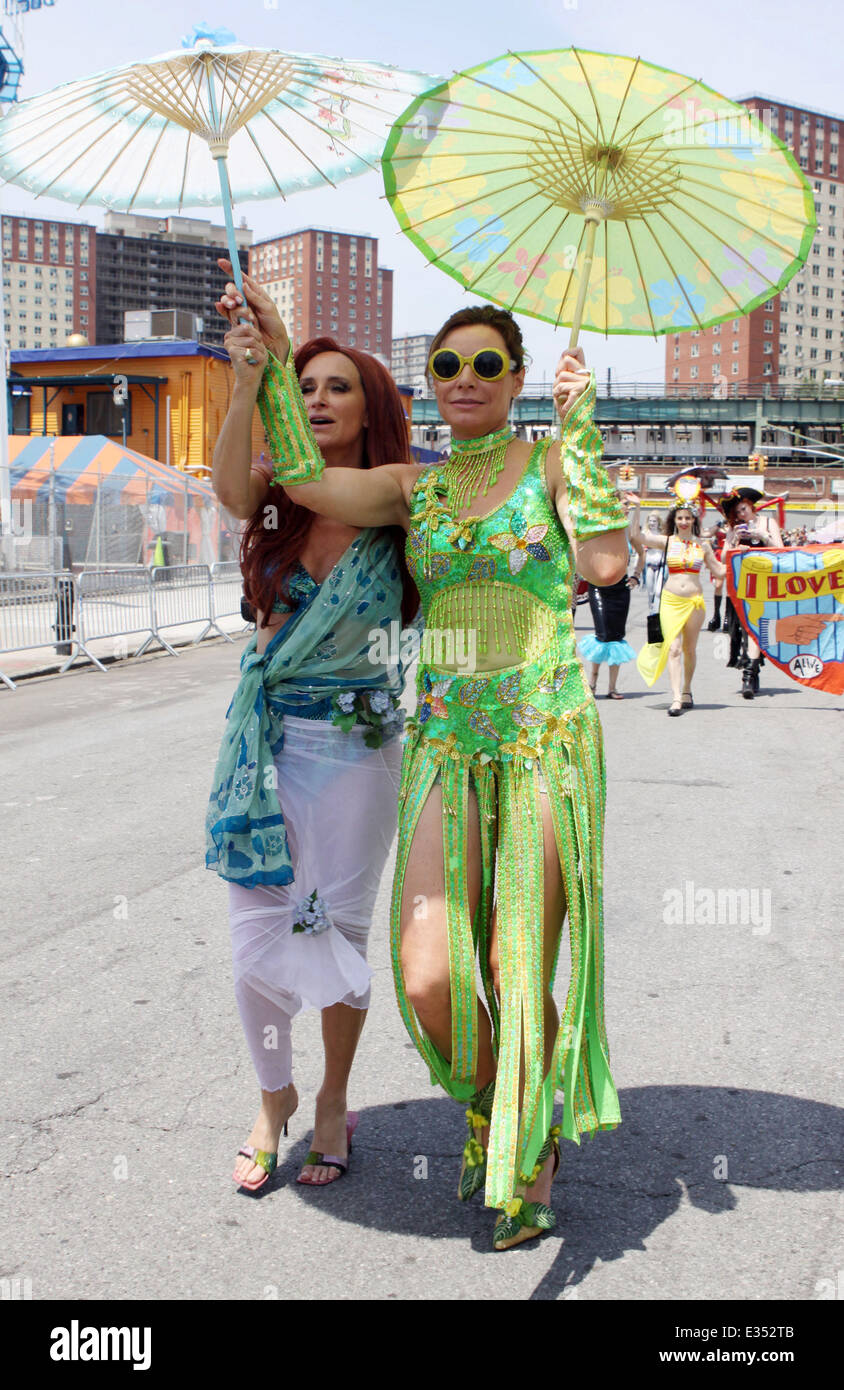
(611,1193)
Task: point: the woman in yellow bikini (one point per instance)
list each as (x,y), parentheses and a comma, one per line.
(682,607)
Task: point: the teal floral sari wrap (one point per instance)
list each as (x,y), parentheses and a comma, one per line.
(322,651)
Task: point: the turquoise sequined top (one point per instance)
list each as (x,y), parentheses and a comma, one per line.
(302,587)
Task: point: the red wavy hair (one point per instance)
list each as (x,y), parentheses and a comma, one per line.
(268,557)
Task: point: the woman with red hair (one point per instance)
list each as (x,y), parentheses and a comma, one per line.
(502,795)
(304,803)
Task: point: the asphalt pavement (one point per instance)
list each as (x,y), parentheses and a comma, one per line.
(128,1087)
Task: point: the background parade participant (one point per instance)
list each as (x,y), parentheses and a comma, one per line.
(312,717)
(682,607)
(716,538)
(747,527)
(610,606)
(503,768)
(654,564)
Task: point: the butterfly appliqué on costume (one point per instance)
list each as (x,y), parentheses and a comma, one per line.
(521,542)
(431,704)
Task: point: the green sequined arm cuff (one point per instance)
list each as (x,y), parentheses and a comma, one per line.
(293,449)
(593,504)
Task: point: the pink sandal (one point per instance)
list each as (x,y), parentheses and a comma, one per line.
(317,1159)
(267,1161)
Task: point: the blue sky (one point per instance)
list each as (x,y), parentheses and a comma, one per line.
(766,46)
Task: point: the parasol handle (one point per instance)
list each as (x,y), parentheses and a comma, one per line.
(225,191)
(593,218)
(218,146)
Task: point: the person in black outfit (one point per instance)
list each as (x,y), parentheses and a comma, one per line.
(746,528)
(610,605)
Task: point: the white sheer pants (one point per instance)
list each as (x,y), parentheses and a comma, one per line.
(339,802)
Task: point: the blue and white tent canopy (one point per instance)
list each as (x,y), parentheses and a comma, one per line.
(82,464)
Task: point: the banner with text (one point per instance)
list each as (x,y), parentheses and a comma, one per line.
(792,602)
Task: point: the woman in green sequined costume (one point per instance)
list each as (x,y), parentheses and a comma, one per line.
(502,795)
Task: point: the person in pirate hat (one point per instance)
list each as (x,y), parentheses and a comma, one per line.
(746,527)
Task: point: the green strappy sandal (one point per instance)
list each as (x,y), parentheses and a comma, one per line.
(521,1220)
(473,1168)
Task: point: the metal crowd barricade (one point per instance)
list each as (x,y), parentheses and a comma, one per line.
(37,610)
(226,591)
(116,603)
(68,613)
(182,594)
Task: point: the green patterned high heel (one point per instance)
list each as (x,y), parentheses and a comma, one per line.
(473,1169)
(521,1220)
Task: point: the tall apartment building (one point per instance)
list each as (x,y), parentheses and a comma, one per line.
(410,358)
(161,263)
(330,283)
(49,281)
(796,336)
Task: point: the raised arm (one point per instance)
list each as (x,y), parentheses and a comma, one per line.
(359,497)
(654,540)
(586,501)
(240,488)
(716,569)
(630,503)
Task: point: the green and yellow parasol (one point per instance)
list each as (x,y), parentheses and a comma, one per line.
(600,192)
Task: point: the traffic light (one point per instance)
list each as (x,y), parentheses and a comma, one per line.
(626,473)
(756,463)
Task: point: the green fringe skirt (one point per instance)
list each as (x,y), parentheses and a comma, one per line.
(509,803)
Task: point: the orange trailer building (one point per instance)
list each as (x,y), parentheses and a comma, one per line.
(175,397)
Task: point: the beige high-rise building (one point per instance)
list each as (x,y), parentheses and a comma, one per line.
(328,284)
(410,358)
(49,281)
(796,336)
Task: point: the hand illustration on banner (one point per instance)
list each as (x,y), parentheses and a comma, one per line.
(792,602)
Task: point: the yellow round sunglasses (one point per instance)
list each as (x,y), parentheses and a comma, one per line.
(488,364)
